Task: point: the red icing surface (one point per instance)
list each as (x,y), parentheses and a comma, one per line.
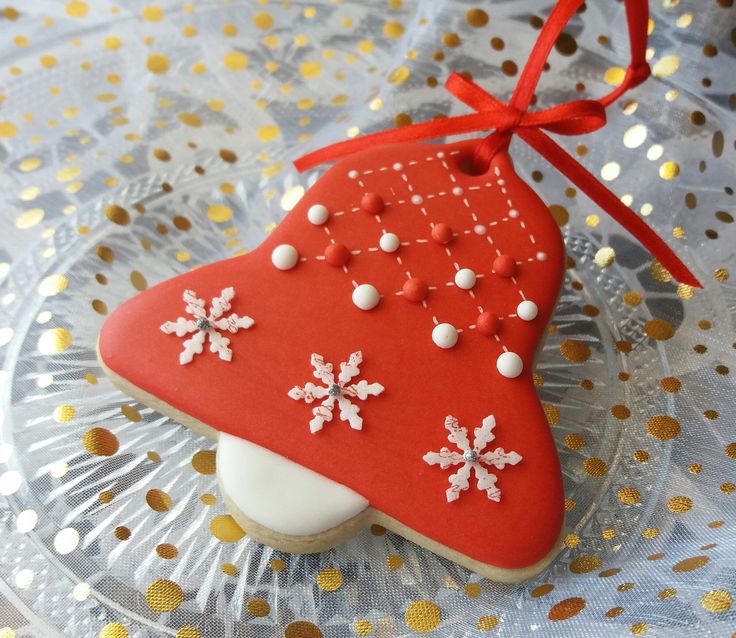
(309,309)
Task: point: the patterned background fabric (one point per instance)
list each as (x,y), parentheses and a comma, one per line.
(138,141)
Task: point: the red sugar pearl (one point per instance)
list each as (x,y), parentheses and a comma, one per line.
(487,323)
(415,290)
(504,266)
(337,255)
(442,233)
(372,203)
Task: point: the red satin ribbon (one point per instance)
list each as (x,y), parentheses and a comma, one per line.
(571,118)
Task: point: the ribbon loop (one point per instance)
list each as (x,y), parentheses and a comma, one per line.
(576,117)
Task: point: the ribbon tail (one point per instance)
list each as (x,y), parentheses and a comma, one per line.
(583,179)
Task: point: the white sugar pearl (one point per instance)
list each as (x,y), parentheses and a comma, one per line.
(513,213)
(284,257)
(417,199)
(458,190)
(353,174)
(389,243)
(465,278)
(480,229)
(318,214)
(366,297)
(527,310)
(444,335)
(398,166)
(541,256)
(440,155)
(510,365)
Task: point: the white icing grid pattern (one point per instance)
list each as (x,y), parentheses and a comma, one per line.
(478,228)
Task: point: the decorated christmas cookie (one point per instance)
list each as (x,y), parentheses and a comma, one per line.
(371,361)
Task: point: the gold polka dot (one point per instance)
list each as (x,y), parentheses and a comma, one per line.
(190,119)
(730,450)
(670,384)
(105,253)
(607,573)
(560,214)
(472,590)
(302,629)
(476,18)
(639,628)
(363,627)
(451,40)
(575,351)
(717,601)
(228,569)
(117,215)
(158,63)
(188,632)
(52,285)
(113,630)
(113,43)
(628,495)
(258,607)
(667,593)
(663,427)
(219,213)
(659,329)
(393,29)
(650,533)
(167,551)
(614,612)
(680,504)
(691,564)
(235,61)
(77,9)
(486,623)
(208,499)
(130,413)
(64,413)
(226,529)
(263,20)
(138,280)
(8,129)
(158,500)
(566,609)
(122,533)
(666,66)
(268,133)
(152,13)
(620,412)
(161,154)
(574,441)
(277,565)
(552,413)
(310,69)
(329,579)
(29,218)
(399,75)
(100,442)
(422,616)
(604,257)
(394,562)
(204,461)
(585,564)
(106,496)
(669,170)
(164,595)
(595,466)
(720,275)
(542,590)
(54,341)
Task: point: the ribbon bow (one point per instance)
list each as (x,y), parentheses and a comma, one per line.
(571,118)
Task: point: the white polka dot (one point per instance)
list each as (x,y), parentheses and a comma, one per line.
(527,310)
(510,365)
(441,155)
(444,335)
(81,591)
(318,214)
(389,243)
(26,521)
(417,199)
(24,578)
(366,297)
(10,482)
(66,540)
(480,229)
(353,174)
(284,257)
(458,190)
(513,213)
(501,182)
(465,278)
(541,256)
(398,166)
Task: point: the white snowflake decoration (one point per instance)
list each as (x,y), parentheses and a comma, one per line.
(471,458)
(205,325)
(336,391)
